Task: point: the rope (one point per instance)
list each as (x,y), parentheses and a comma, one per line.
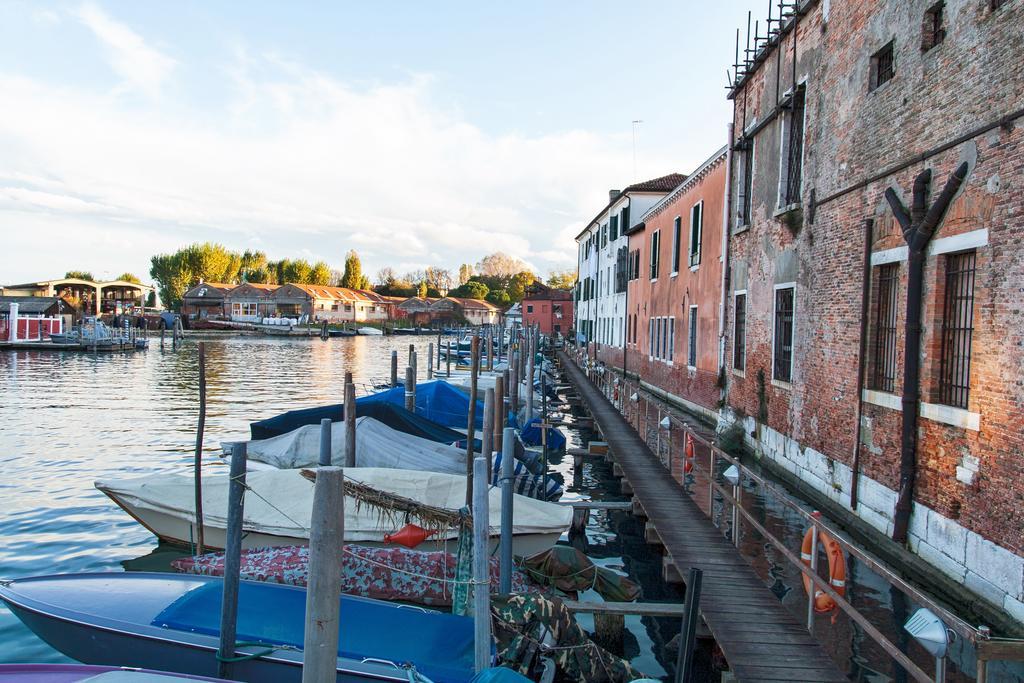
(245,657)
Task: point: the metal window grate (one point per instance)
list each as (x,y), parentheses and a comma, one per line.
(692,350)
(739,350)
(748,184)
(795,152)
(884,65)
(933,31)
(957,330)
(783,352)
(883,374)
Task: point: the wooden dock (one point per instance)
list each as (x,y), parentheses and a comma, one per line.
(760,638)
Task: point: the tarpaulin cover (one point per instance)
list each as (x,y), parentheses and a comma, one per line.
(436,400)
(531,435)
(570,571)
(381,573)
(500,675)
(391,414)
(525,483)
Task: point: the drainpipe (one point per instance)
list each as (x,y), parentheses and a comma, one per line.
(726,213)
(918,229)
(865,295)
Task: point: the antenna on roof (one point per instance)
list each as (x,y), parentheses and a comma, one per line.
(636,122)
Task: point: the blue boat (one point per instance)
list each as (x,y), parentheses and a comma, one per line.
(172,623)
(84,673)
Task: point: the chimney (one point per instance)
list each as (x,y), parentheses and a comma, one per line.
(614,194)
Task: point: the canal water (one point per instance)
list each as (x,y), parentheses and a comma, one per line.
(69,419)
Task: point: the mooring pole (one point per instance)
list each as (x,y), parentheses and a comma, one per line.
(513,385)
(394,368)
(410,390)
(350,424)
(414,364)
(499,411)
(448,359)
(430,361)
(474,364)
(325,443)
(544,429)
(487,436)
(232,559)
(198,466)
(323,591)
(689,634)
(507,464)
(529,381)
(481,567)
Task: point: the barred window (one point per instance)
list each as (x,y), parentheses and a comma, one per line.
(957,330)
(933,32)
(748,184)
(783,339)
(793,150)
(883,366)
(883,66)
(691,359)
(739,337)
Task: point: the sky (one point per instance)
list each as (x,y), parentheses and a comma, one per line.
(415,133)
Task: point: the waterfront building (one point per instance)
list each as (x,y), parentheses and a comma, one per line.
(472,311)
(417,310)
(673,294)
(113,296)
(514,316)
(548,308)
(28,318)
(206,300)
(602,259)
(251,302)
(845,117)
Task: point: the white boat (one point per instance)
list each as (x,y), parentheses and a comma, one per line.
(278,507)
(369,331)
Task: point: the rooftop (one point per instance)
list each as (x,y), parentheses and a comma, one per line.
(663,183)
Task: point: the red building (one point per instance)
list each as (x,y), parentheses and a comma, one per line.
(550,309)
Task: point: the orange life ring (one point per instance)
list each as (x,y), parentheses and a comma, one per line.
(836,568)
(687,466)
(689,445)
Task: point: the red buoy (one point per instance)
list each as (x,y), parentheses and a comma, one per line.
(409,535)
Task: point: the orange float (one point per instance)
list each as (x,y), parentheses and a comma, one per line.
(689,445)
(409,535)
(836,568)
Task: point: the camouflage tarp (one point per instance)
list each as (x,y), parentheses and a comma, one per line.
(527,627)
(570,571)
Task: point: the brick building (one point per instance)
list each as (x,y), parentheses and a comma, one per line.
(673,283)
(549,308)
(878,94)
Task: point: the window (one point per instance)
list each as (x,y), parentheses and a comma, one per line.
(792,150)
(636,265)
(624,219)
(696,228)
(529,308)
(933,32)
(677,238)
(883,355)
(957,330)
(614,229)
(634,327)
(996,4)
(650,337)
(739,337)
(883,66)
(604,235)
(244,308)
(747,183)
(782,351)
(655,253)
(658,339)
(671,338)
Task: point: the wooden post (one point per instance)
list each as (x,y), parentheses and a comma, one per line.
(198,466)
(232,559)
(412,354)
(430,361)
(448,359)
(394,368)
(471,426)
(513,385)
(413,363)
(350,424)
(487,436)
(490,351)
(529,382)
(689,634)
(323,591)
(325,443)
(499,411)
(163,331)
(410,390)
(507,465)
(438,348)
(481,567)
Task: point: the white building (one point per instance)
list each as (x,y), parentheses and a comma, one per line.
(603,260)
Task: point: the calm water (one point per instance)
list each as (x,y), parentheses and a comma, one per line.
(68,419)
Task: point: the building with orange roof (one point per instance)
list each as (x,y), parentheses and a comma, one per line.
(206,300)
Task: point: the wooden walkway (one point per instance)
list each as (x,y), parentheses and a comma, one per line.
(761,639)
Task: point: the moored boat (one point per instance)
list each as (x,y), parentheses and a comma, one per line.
(172,622)
(90,673)
(369,331)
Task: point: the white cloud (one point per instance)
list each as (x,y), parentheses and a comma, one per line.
(293,161)
(139,65)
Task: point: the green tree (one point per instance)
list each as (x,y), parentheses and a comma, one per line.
(175,273)
(353,275)
(364,283)
(298,271)
(129,277)
(517,286)
(421,290)
(562,279)
(254,267)
(151,300)
(80,275)
(498,297)
(320,275)
(471,290)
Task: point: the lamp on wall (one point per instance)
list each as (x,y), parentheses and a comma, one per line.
(930,633)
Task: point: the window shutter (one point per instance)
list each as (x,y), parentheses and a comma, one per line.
(614,229)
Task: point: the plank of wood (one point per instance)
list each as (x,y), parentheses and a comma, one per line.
(646,609)
(596,504)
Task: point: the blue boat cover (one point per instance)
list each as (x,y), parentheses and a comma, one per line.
(436,400)
(439,645)
(394,416)
(531,435)
(500,674)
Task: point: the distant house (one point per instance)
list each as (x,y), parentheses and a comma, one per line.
(334,304)
(473,311)
(251,302)
(514,316)
(206,300)
(114,296)
(548,308)
(34,317)
(418,309)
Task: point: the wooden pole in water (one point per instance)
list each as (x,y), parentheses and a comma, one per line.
(323,591)
(412,354)
(325,443)
(438,348)
(350,424)
(507,465)
(232,559)
(394,368)
(430,361)
(490,350)
(198,466)
(481,567)
(413,363)
(410,390)
(474,364)
(499,411)
(448,359)
(487,436)
(513,384)
(690,615)
(529,381)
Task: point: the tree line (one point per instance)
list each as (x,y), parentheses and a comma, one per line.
(498,277)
